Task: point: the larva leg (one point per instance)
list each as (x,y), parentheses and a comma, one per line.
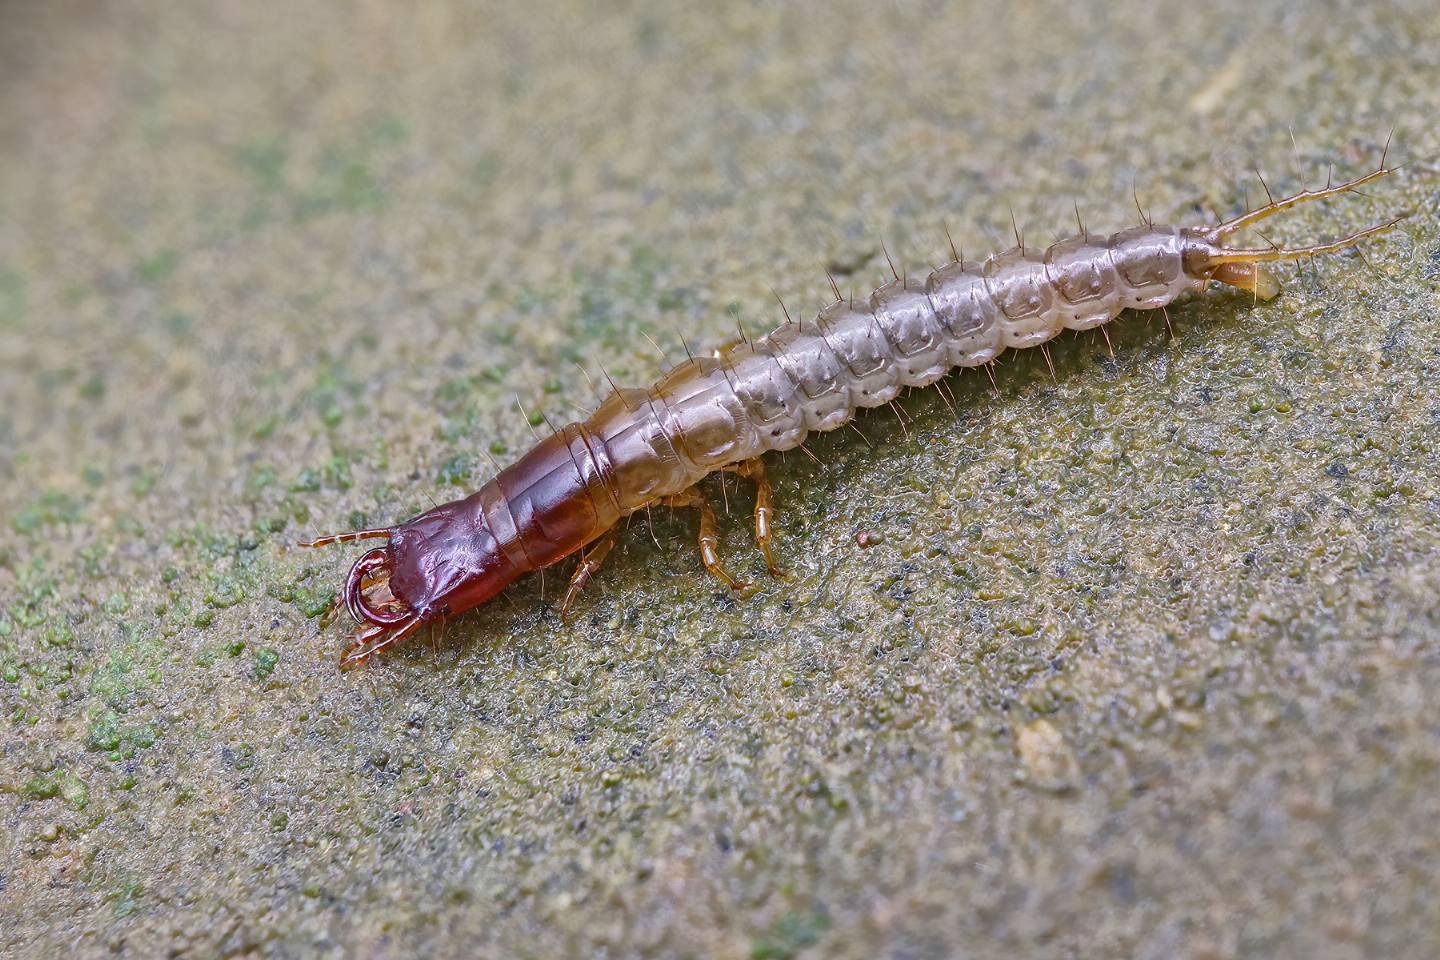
(709,538)
(590,561)
(754,470)
(374,639)
(332,611)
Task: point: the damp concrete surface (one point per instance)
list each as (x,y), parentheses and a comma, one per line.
(1132,657)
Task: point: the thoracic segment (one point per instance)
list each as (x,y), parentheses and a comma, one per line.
(813,376)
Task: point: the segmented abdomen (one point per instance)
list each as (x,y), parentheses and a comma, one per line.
(769,393)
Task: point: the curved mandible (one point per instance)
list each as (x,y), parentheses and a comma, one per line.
(355,599)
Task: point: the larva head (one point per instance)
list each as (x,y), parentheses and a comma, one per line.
(443,562)
(440,563)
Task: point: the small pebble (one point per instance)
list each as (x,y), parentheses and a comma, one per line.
(1049,762)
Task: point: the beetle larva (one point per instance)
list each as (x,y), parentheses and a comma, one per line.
(653,446)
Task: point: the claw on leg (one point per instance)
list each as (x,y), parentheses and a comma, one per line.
(590,561)
(709,539)
(373,639)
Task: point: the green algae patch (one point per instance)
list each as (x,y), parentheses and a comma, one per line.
(790,935)
(107,733)
(125,898)
(64,785)
(158,268)
(265,662)
(312,599)
(41,788)
(225,594)
(457,470)
(131,663)
(51,508)
(308,481)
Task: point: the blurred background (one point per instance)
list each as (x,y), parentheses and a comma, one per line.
(1141,661)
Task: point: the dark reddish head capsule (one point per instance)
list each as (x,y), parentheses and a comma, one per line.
(549,504)
(441,562)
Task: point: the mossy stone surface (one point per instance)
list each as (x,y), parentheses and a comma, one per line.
(1134,659)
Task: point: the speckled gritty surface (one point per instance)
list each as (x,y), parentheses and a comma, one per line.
(1141,661)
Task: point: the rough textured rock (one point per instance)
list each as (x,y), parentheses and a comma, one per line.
(1142,661)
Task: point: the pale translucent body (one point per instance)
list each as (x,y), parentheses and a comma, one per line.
(813,376)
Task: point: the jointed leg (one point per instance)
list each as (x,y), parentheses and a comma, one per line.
(709,539)
(332,611)
(373,639)
(590,561)
(754,470)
